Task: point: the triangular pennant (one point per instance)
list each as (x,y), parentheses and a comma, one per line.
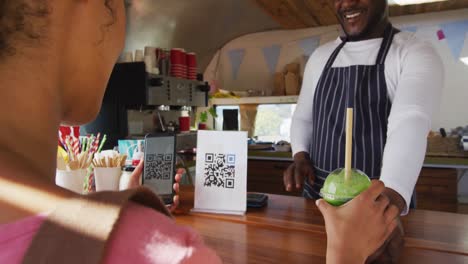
(309,45)
(271,55)
(410,29)
(440,34)
(455,34)
(236,56)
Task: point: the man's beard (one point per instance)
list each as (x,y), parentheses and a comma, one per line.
(373,22)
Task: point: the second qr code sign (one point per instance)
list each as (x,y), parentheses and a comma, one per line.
(220,170)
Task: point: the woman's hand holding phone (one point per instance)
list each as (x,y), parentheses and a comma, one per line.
(134,182)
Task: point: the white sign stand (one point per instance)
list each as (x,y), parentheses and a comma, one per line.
(221,173)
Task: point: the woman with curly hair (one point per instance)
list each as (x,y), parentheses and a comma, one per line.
(56,57)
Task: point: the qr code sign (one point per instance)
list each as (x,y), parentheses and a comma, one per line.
(220,170)
(158,166)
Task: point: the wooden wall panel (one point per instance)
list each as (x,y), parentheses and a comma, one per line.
(294,14)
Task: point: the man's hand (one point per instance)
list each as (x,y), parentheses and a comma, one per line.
(391,250)
(295,174)
(357,229)
(135,182)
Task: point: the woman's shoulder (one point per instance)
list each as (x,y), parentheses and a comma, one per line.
(143,235)
(16,237)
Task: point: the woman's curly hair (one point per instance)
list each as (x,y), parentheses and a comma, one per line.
(27,21)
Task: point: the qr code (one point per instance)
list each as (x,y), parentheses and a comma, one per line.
(158,166)
(220,170)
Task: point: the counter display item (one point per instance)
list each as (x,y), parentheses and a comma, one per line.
(74,160)
(338,191)
(342,185)
(160,164)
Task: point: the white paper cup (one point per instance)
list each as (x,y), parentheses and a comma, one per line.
(71,180)
(107,179)
(139,55)
(125,180)
(150,51)
(149,62)
(127,56)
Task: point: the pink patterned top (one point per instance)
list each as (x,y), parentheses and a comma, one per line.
(142,235)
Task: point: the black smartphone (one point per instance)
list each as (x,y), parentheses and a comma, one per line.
(256,200)
(160,165)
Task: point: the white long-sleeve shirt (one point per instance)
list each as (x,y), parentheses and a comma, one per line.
(414,75)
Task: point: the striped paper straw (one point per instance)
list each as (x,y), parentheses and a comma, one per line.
(90,180)
(62,141)
(95,145)
(76,146)
(69,148)
(83,145)
(90,143)
(102,143)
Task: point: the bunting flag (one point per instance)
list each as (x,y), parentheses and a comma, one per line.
(440,34)
(309,45)
(271,55)
(455,34)
(410,29)
(236,56)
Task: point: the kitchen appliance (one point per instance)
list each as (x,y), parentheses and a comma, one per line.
(131,88)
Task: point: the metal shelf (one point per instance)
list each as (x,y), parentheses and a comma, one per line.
(255,100)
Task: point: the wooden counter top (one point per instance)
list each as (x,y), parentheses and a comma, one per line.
(291,230)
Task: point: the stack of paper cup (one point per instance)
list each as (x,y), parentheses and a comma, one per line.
(164,61)
(149,63)
(107,179)
(191,66)
(150,58)
(178,63)
(150,51)
(139,55)
(127,57)
(71,180)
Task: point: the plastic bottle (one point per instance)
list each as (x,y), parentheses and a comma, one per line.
(125,178)
(137,154)
(184,121)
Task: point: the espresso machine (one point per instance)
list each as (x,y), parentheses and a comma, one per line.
(137,103)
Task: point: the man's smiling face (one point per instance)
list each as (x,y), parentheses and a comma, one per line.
(358,17)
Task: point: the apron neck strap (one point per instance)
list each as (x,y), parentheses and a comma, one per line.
(389,33)
(332,58)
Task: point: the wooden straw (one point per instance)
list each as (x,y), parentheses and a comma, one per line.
(122,160)
(349,143)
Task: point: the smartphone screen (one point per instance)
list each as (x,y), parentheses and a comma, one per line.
(159,165)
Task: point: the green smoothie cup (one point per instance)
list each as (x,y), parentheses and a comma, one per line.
(338,191)
(342,185)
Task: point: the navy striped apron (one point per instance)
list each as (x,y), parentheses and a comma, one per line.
(364,88)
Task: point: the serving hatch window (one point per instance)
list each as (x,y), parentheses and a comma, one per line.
(272,122)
